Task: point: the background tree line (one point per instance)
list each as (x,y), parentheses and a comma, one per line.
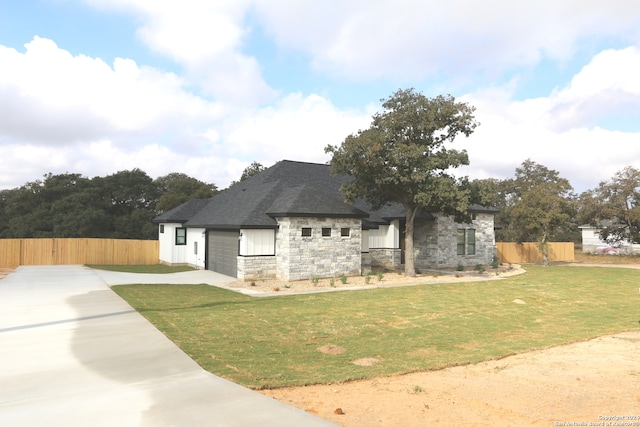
(538,205)
(119,206)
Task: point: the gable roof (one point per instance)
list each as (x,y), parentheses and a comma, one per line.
(286,189)
(183,212)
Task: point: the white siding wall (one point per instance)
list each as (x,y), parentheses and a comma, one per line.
(387,236)
(365,240)
(257,242)
(170,253)
(195,242)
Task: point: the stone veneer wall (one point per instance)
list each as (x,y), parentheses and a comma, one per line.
(386,257)
(435,242)
(317,256)
(256,267)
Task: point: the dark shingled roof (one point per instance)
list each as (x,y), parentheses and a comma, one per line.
(287,188)
(183,212)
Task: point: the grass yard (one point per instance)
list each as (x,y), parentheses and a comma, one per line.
(273,342)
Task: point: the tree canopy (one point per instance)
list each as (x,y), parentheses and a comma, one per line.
(614,207)
(537,205)
(120,205)
(402,158)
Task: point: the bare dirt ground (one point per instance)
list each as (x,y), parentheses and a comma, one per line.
(584,382)
(595,382)
(388,279)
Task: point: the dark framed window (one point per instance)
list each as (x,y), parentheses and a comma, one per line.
(466,242)
(460,245)
(471,241)
(345,232)
(306,232)
(181,236)
(161,228)
(326,232)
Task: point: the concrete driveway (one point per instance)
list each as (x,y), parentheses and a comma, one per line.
(73,353)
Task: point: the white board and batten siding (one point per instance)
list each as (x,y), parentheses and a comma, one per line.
(385,236)
(257,242)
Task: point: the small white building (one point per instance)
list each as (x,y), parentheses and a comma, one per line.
(592,243)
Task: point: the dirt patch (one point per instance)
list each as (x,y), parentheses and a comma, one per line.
(332,349)
(387,280)
(367,361)
(577,383)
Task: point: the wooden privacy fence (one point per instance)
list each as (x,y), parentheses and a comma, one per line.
(15,252)
(516,253)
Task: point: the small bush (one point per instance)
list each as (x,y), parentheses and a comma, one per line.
(343,279)
(495,263)
(379,275)
(367,279)
(460,267)
(479,268)
(332,281)
(315,280)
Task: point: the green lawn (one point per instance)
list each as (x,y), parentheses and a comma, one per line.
(273,342)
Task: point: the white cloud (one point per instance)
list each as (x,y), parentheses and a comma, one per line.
(407,39)
(296,128)
(52,97)
(607,86)
(560,131)
(207,39)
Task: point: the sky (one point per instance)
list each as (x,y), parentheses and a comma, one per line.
(207,87)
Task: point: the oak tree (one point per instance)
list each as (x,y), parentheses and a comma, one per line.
(402,158)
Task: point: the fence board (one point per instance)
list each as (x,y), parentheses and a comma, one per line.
(15,252)
(529,252)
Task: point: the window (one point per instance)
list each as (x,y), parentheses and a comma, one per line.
(161,228)
(466,243)
(461,234)
(306,232)
(326,232)
(181,236)
(471,241)
(345,232)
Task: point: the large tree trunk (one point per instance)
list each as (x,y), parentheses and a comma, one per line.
(409,263)
(545,249)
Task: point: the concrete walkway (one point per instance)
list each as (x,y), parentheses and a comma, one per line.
(73,353)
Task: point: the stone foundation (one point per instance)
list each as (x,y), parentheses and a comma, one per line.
(385,258)
(256,267)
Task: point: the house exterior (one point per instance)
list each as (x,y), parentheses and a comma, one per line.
(592,243)
(290,222)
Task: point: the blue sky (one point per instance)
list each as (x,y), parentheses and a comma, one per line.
(205,88)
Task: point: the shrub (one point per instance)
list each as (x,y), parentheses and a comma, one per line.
(343,279)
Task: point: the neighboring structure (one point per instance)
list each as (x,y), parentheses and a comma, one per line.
(290,222)
(592,243)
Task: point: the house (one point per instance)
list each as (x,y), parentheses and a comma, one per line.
(592,243)
(290,222)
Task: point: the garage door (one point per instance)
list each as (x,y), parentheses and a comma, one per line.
(223,252)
